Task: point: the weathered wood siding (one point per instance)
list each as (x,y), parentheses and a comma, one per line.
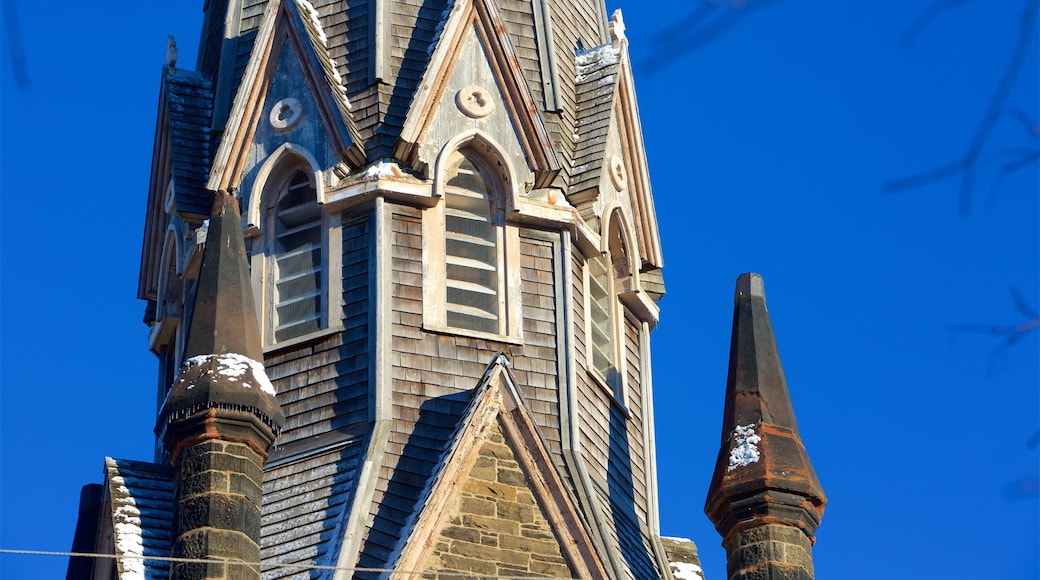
(323,386)
(433,375)
(304,505)
(518,19)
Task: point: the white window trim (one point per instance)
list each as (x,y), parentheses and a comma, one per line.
(277,170)
(481,149)
(618,309)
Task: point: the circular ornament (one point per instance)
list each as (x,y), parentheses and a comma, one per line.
(474,102)
(618,175)
(285,114)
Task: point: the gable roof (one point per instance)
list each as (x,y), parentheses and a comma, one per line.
(139,498)
(297,22)
(483,16)
(605,90)
(497,400)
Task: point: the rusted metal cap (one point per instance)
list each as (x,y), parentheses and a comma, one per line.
(763,473)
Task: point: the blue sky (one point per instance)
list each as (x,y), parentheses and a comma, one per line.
(769,146)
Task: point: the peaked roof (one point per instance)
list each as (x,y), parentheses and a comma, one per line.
(497,399)
(140,505)
(485,16)
(189,107)
(762,471)
(296,21)
(605,90)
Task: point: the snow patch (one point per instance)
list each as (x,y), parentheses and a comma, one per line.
(686,571)
(745,450)
(606,54)
(383,169)
(235,367)
(126,529)
(313,16)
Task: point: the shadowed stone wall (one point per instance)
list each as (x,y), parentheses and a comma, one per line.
(497,526)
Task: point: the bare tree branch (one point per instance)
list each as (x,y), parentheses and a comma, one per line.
(967,165)
(14,42)
(707,21)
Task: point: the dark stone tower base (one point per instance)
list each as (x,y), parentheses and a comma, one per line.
(769,552)
(218,493)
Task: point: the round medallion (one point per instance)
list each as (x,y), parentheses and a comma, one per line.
(474,102)
(285,114)
(618,175)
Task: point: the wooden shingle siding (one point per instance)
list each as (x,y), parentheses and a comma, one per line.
(143,492)
(571,22)
(324,386)
(189,107)
(518,18)
(304,504)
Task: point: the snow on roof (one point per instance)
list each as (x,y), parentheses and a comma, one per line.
(596,57)
(315,21)
(235,367)
(686,571)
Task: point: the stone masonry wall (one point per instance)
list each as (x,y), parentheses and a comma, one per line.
(497,526)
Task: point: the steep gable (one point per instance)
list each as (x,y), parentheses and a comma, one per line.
(609,161)
(474,83)
(291,93)
(496,504)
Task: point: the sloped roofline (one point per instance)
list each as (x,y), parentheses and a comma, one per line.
(485,16)
(497,399)
(283,20)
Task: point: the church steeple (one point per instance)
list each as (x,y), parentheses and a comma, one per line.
(221,417)
(764,498)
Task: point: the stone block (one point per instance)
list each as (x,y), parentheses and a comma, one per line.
(514,542)
(460,533)
(550,569)
(511,510)
(491,525)
(513,477)
(457,563)
(489,489)
(484,468)
(476,506)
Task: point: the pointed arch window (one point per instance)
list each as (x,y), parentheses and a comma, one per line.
(608,275)
(294,274)
(470,253)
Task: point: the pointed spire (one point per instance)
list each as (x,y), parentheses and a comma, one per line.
(221,417)
(222,365)
(764,491)
(224,319)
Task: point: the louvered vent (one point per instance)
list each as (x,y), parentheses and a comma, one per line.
(298,260)
(471,252)
(599,316)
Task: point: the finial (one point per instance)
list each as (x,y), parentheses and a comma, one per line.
(617,29)
(750,284)
(171,53)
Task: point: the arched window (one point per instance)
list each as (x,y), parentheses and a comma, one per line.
(472,251)
(295,283)
(608,275)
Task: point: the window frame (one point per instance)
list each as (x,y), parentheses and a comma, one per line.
(262,231)
(621,266)
(497,177)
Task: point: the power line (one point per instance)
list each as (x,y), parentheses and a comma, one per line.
(261,565)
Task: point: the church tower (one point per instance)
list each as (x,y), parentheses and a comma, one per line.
(454,263)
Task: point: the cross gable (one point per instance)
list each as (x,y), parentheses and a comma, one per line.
(497,500)
(291,93)
(610,166)
(474,82)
